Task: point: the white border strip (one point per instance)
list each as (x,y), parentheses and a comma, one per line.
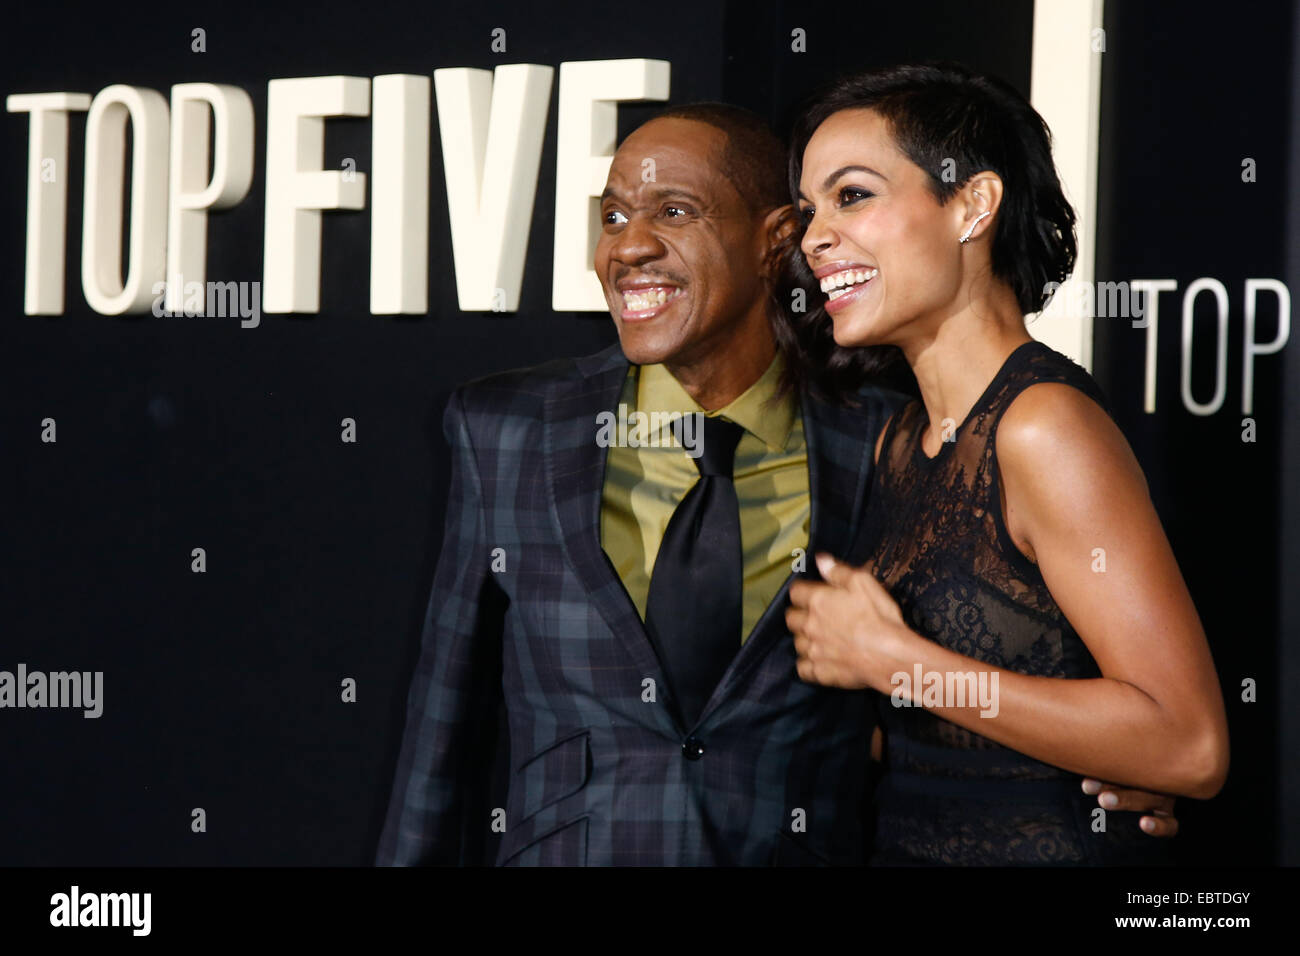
(1065,88)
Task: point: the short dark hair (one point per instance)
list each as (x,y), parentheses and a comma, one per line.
(754,158)
(951,122)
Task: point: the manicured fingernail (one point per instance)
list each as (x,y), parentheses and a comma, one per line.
(1092,787)
(1148,824)
(1108,800)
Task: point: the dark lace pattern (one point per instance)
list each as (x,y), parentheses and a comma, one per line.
(951,796)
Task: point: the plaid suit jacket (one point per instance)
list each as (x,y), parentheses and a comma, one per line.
(773,771)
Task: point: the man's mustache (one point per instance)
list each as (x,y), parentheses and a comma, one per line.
(655,276)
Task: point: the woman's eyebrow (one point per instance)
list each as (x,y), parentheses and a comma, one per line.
(830,180)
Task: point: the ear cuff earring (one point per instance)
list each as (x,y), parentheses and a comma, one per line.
(966,238)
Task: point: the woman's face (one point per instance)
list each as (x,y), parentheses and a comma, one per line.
(887,254)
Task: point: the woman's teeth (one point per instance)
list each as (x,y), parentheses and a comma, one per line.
(836,285)
(647,299)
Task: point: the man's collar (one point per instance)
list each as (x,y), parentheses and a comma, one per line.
(755,409)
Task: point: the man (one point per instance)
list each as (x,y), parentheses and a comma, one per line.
(655,715)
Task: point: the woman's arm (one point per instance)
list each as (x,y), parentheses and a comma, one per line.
(1155,719)
(1157,809)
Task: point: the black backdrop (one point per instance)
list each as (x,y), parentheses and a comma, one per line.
(222,689)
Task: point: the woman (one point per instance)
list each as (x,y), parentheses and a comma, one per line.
(1020,611)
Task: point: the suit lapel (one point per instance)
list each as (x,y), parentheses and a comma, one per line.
(839,467)
(575,475)
(839,470)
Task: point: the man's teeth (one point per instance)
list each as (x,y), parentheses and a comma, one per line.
(839,283)
(649,299)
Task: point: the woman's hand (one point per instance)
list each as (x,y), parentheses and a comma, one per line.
(848,632)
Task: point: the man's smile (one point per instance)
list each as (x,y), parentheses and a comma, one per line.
(642,300)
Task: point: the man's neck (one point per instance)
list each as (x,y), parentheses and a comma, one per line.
(717,383)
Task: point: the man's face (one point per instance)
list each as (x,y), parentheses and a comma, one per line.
(680,253)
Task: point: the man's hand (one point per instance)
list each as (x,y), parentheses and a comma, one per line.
(1159,819)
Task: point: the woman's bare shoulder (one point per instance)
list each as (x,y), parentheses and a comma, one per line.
(1057,440)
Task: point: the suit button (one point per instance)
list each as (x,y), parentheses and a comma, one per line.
(692,748)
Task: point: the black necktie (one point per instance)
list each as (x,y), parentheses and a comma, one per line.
(693,611)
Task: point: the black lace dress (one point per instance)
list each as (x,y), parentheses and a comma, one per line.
(950,796)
